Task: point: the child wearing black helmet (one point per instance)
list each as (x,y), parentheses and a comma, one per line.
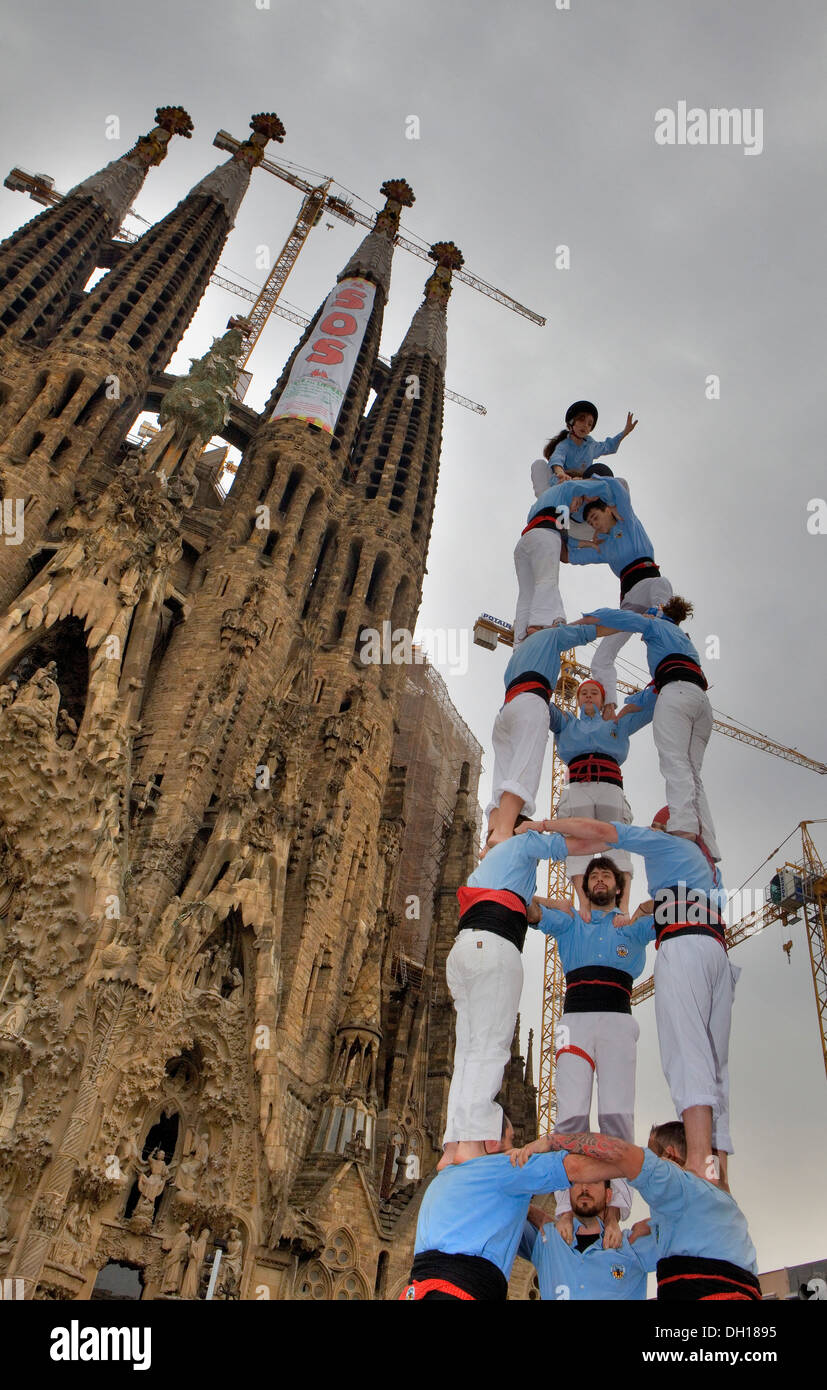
(572,453)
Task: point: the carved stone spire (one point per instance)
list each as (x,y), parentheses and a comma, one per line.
(50,258)
(427,331)
(528,1076)
(228,183)
(115,186)
(372,258)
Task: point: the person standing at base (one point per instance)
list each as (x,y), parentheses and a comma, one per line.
(702,1238)
(596,1038)
(594,747)
(472,1219)
(682,721)
(694,980)
(584,1268)
(521,728)
(484,971)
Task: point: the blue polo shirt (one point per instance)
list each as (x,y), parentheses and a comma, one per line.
(627,540)
(693,1217)
(512,865)
(576,458)
(541,651)
(480,1207)
(598,942)
(670,860)
(576,734)
(564,1272)
(661,635)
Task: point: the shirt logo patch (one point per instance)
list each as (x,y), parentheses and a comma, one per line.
(618,1272)
(410,1291)
(623,950)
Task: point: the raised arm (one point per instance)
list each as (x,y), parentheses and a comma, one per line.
(589,1157)
(576,843)
(638,710)
(622,620)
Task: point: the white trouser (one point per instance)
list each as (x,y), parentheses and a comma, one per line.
(647,593)
(519,737)
(537,562)
(694,989)
(599,801)
(610,1041)
(485,977)
(681,727)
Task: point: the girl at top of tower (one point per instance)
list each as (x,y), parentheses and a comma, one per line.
(572,452)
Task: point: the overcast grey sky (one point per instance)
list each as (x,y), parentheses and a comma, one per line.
(537,129)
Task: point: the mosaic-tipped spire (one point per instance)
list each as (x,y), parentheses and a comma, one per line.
(373,256)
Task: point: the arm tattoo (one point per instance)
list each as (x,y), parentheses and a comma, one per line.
(601,1146)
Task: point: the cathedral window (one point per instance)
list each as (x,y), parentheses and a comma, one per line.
(314,1282)
(351,1286)
(340,1251)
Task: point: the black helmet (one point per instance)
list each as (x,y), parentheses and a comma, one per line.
(581,408)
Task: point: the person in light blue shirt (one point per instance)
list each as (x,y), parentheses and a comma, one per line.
(618,540)
(694,980)
(573,452)
(683,720)
(471,1222)
(542,544)
(702,1238)
(594,746)
(584,1268)
(484,972)
(521,728)
(596,1038)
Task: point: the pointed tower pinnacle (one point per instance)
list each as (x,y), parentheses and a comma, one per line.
(228,182)
(336,338)
(515,1041)
(51,257)
(528,1077)
(427,331)
(372,258)
(115,186)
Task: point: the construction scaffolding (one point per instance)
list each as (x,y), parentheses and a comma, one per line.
(433,743)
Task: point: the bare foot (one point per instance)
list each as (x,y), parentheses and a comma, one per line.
(496,838)
(448,1151)
(685,835)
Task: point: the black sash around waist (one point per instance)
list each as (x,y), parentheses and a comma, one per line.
(683,1277)
(682,911)
(595,767)
(631,574)
(471,1273)
(546,520)
(678,668)
(497,918)
(598,989)
(531,683)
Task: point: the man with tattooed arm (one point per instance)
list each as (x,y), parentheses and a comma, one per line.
(703,1243)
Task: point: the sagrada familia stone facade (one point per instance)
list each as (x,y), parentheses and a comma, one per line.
(223,1063)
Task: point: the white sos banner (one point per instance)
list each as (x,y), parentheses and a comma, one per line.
(322,370)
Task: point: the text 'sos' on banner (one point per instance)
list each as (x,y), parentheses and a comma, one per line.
(322,370)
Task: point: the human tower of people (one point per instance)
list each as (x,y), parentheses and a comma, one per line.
(476,1214)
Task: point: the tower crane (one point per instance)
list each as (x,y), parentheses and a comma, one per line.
(799,887)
